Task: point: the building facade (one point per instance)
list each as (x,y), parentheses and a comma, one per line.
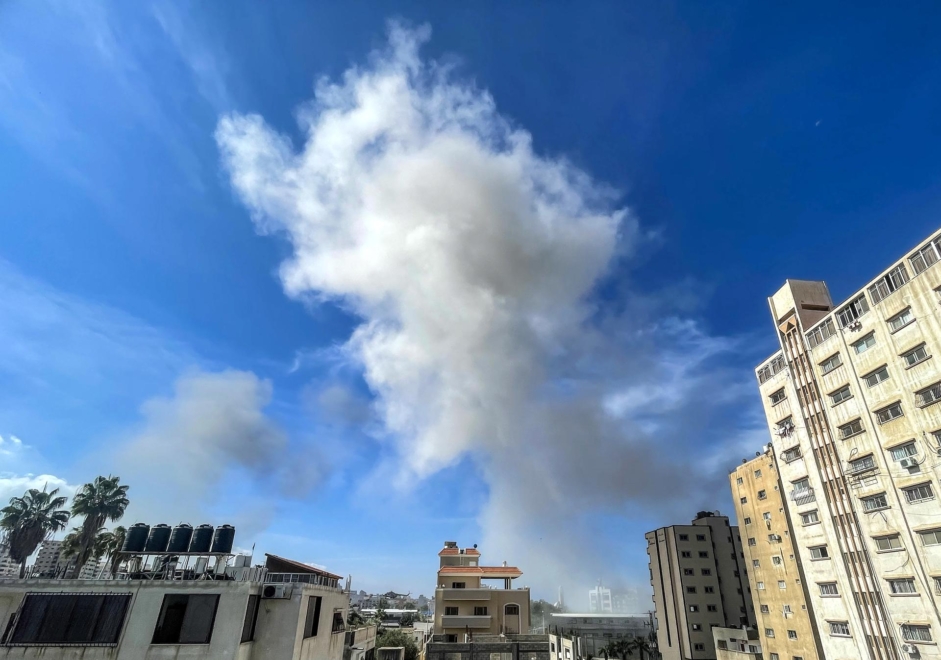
(599,599)
(8,567)
(47,560)
(699,581)
(504,647)
(775,571)
(851,400)
(738,644)
(597,631)
(464,604)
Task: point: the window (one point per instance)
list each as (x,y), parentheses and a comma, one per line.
(450,611)
(703,554)
(887,543)
(751,541)
(888,284)
(777,397)
(852,311)
(743,500)
(931,537)
(338,624)
(801,485)
(765,610)
(186,619)
(776,560)
(688,571)
(511,610)
(849,430)
(767,516)
(841,395)
(684,537)
(747,520)
(762,495)
(782,584)
(889,413)
(903,451)
(707,571)
(312,622)
(875,502)
(819,552)
(251,617)
(775,656)
(458,585)
(700,537)
(694,608)
(787,610)
(919,493)
(915,355)
(810,517)
(927,396)
(761,586)
(862,464)
(480,610)
(864,344)
(791,455)
(769,370)
(769,632)
(61,618)
(755,563)
(792,634)
(821,333)
(915,633)
(712,608)
(690,590)
(880,375)
(452,639)
(784,428)
(687,554)
(841,628)
(900,320)
(699,647)
(902,586)
(709,590)
(828,589)
(924,258)
(696,626)
(831,363)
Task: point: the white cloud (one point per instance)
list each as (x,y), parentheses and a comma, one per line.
(472,261)
(15,485)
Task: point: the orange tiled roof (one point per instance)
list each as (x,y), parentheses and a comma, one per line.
(456,551)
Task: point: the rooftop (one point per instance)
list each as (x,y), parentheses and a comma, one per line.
(276,564)
(496,571)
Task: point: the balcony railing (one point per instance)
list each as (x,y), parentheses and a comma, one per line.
(303,578)
(803,495)
(465,621)
(466,594)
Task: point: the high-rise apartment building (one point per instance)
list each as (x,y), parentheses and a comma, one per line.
(599,599)
(464,605)
(851,400)
(778,586)
(8,567)
(47,561)
(699,581)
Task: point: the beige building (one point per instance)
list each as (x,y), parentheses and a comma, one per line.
(465,605)
(8,567)
(699,582)
(851,401)
(737,644)
(778,585)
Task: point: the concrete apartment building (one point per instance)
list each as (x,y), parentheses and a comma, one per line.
(8,567)
(596,630)
(464,605)
(699,581)
(254,613)
(775,573)
(737,644)
(599,600)
(504,647)
(851,401)
(47,561)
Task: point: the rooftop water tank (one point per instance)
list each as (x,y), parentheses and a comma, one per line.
(180,538)
(136,537)
(158,539)
(202,539)
(223,539)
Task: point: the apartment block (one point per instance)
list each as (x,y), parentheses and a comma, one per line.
(47,560)
(775,573)
(465,605)
(8,567)
(699,582)
(851,400)
(599,599)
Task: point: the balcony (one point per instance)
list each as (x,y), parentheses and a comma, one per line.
(466,594)
(803,496)
(472,622)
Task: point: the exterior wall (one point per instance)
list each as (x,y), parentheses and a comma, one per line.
(278,632)
(682,600)
(595,631)
(875,615)
(762,513)
(516,647)
(738,644)
(47,561)
(495,600)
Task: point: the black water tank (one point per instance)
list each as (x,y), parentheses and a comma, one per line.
(136,537)
(223,539)
(202,539)
(180,538)
(158,539)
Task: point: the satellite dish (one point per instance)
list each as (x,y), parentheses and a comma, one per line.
(475,545)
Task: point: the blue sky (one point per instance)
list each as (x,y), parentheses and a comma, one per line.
(483,288)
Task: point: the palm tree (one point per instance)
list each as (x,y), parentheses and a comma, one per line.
(29,519)
(101,501)
(112,546)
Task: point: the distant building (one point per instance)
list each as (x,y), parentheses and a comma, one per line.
(47,561)
(699,581)
(741,644)
(597,630)
(505,647)
(464,605)
(599,599)
(8,567)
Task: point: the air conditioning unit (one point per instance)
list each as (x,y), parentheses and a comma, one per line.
(908,462)
(911,649)
(276,591)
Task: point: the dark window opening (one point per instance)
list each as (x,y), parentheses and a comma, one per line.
(312,623)
(339,625)
(70,619)
(251,617)
(186,619)
(513,610)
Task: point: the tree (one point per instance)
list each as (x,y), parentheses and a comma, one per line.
(354,619)
(103,500)
(113,546)
(28,520)
(407,621)
(394,638)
